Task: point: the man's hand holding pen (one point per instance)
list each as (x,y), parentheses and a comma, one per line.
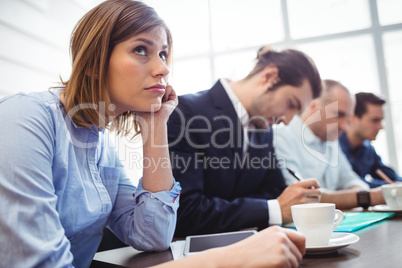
(297,177)
(301,192)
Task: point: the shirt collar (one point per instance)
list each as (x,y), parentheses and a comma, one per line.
(241,112)
(57,91)
(297,126)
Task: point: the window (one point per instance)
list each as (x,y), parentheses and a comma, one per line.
(355,41)
(181,16)
(191,75)
(316,17)
(350,60)
(389,11)
(236,25)
(393,60)
(348,39)
(234,65)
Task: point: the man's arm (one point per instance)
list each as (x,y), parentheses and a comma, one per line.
(350,184)
(343,199)
(346,199)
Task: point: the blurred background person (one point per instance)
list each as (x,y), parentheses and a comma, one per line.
(364,126)
(309,146)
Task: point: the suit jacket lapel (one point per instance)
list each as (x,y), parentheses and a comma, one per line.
(224,107)
(257,159)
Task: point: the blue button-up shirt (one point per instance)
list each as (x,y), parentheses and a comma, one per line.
(365,161)
(61,185)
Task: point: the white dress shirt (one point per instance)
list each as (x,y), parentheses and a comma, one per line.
(274,209)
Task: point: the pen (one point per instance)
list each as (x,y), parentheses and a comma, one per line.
(294,174)
(383,176)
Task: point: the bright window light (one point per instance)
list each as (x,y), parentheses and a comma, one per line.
(239,24)
(234,66)
(393,59)
(192,75)
(348,60)
(188,21)
(389,11)
(309,18)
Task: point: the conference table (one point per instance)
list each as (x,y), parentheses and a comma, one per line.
(380,245)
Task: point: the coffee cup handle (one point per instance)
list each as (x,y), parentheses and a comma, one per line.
(339,218)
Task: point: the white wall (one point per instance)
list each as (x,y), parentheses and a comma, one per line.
(34,52)
(34,47)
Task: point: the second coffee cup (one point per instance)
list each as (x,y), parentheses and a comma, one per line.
(393,195)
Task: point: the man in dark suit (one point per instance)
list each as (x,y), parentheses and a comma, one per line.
(221,147)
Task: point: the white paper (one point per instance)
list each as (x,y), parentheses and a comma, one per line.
(177,249)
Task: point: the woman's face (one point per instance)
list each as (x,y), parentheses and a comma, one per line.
(137,71)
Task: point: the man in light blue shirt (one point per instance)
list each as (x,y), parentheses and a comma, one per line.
(309,146)
(61,185)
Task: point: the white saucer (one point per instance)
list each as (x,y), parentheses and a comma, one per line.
(337,241)
(385,208)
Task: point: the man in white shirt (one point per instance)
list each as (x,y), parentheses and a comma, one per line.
(309,146)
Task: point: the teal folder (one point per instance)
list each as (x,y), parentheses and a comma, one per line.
(354,221)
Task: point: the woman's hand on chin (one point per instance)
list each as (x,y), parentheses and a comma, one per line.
(161,116)
(169,102)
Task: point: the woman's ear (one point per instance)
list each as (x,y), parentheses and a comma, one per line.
(269,76)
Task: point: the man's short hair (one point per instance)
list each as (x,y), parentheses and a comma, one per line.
(362,99)
(327,89)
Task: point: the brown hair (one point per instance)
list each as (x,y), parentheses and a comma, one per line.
(364,98)
(92,42)
(294,66)
(327,87)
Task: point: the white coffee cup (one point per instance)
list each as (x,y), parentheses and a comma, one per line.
(316,221)
(393,195)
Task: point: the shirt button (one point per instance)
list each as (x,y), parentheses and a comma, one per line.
(152,196)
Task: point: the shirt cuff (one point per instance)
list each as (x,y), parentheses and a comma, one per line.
(274,211)
(167,197)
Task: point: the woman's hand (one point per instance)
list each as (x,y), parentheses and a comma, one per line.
(157,176)
(271,247)
(169,103)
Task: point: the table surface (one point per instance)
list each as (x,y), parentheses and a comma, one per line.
(379,246)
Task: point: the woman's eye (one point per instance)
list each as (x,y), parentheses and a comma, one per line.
(140,51)
(163,56)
